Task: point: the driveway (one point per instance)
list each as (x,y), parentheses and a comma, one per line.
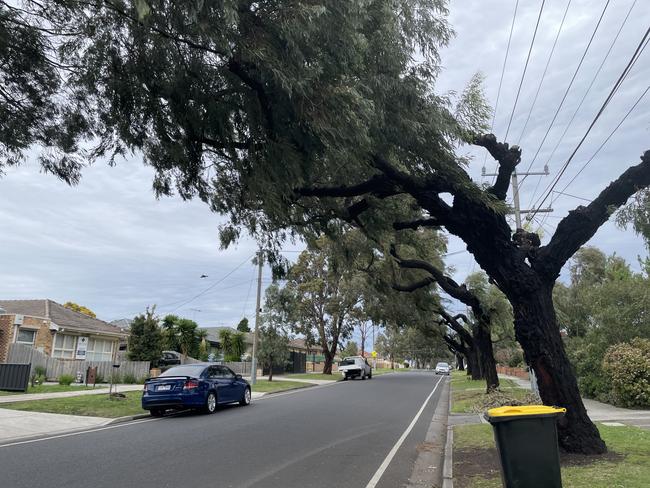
(15,424)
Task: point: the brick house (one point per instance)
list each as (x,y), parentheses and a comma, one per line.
(57,331)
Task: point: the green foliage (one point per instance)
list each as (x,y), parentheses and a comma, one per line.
(145,338)
(181,335)
(35,106)
(605,304)
(273,348)
(80,308)
(628,368)
(40,371)
(66,379)
(350,349)
(203,351)
(637,214)
(243,326)
(129,379)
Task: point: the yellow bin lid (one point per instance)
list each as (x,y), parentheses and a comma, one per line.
(507,412)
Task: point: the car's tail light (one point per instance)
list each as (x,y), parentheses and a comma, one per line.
(191,385)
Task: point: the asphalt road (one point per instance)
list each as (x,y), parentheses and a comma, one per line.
(332,436)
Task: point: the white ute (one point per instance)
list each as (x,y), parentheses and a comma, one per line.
(355,366)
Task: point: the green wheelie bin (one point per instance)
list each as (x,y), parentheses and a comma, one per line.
(526,439)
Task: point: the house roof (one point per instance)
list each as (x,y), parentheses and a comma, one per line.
(61,316)
(300,343)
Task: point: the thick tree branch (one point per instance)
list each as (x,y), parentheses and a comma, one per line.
(508,158)
(416,285)
(416,224)
(377,185)
(583,222)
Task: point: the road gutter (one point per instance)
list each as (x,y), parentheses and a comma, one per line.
(427,470)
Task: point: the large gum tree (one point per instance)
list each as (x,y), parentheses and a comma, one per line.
(291,116)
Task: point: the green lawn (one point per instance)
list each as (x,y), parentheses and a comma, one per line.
(626,465)
(266,386)
(466,392)
(90,405)
(47,389)
(101,406)
(315,376)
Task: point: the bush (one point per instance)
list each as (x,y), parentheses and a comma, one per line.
(66,379)
(99,378)
(40,371)
(587,359)
(117,378)
(129,379)
(628,367)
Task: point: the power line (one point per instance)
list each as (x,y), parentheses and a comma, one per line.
(566,92)
(523,74)
(640,48)
(541,81)
(214,284)
(606,140)
(503,70)
(593,80)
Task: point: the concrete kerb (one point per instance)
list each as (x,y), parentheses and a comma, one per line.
(447,467)
(427,470)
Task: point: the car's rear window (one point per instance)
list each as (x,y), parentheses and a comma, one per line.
(185,370)
(347,362)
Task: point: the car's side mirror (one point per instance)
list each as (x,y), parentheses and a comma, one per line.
(238,377)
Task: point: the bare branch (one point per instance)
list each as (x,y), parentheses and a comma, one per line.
(377,184)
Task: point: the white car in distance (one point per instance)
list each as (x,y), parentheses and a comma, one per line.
(355,367)
(443,368)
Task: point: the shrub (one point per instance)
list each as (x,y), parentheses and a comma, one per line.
(628,367)
(99,378)
(66,379)
(117,378)
(129,379)
(587,359)
(40,371)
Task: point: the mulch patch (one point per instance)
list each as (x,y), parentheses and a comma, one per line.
(484,463)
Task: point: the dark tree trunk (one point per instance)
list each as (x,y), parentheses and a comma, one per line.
(473,365)
(483,342)
(329,359)
(537,331)
(460,362)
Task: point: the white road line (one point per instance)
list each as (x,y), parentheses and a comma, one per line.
(71,434)
(382,468)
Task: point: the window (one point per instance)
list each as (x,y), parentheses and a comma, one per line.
(99,350)
(26,336)
(64,346)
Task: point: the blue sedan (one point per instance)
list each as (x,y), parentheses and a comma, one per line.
(198,386)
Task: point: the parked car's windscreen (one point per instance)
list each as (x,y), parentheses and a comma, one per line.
(442,365)
(347,362)
(185,370)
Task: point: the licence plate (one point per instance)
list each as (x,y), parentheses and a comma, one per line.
(164,388)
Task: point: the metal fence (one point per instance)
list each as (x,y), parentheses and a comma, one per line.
(54,367)
(14,377)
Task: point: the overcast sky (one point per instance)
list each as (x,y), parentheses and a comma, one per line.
(110,245)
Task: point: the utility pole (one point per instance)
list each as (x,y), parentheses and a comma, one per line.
(518,211)
(515,194)
(260,263)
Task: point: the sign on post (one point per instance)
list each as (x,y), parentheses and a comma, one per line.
(82,347)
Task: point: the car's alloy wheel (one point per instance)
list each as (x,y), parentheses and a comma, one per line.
(246,399)
(211,403)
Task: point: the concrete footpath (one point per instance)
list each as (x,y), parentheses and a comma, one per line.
(603,412)
(16,425)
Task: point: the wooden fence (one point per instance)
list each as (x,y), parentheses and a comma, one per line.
(54,367)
